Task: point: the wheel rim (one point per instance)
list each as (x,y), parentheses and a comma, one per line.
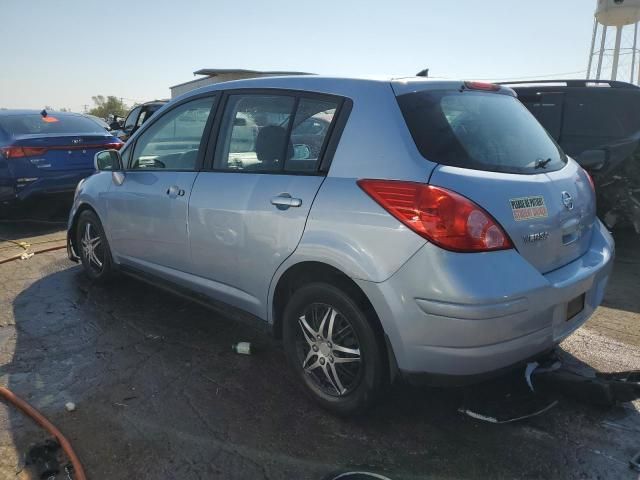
(92,249)
(328,349)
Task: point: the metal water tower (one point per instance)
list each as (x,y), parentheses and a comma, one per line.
(619,59)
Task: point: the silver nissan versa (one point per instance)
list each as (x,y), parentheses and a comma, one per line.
(431,229)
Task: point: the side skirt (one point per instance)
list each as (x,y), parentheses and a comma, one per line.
(222,308)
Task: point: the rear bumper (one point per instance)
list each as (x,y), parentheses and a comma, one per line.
(7,184)
(14,190)
(461,315)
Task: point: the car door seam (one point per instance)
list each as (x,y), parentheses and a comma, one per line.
(188,220)
(304,229)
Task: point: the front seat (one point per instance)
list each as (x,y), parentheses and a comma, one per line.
(270,146)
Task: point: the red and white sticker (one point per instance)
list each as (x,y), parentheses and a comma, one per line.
(528,208)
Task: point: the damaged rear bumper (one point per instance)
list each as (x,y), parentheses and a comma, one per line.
(456,318)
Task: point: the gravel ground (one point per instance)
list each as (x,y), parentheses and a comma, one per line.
(160,395)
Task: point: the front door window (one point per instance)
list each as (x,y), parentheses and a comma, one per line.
(173,141)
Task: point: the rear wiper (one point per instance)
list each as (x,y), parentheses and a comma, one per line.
(542,163)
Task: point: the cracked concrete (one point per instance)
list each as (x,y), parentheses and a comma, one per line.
(160,394)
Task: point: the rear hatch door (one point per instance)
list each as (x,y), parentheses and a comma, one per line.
(493,151)
(549,217)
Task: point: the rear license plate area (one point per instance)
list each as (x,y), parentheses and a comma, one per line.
(575,306)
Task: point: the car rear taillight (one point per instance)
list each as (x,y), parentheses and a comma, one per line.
(443,217)
(21,152)
(489,87)
(590,178)
(13,151)
(114,145)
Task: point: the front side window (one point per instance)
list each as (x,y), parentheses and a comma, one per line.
(142,118)
(130,122)
(173,141)
(478,130)
(274,133)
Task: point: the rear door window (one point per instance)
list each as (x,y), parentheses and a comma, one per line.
(274,133)
(254,133)
(479,130)
(310,133)
(601,113)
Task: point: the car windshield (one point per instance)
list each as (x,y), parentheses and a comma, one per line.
(53,123)
(478,130)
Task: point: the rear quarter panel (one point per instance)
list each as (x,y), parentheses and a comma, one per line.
(346,229)
(5,172)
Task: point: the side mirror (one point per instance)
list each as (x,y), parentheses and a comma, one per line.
(592,160)
(301,152)
(107,160)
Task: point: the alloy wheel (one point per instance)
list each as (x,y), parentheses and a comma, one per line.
(92,249)
(329,350)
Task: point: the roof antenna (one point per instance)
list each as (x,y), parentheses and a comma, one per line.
(44,113)
(423,73)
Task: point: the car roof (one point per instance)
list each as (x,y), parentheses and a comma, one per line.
(327,84)
(152,102)
(571,83)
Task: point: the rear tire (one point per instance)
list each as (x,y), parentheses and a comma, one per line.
(93,248)
(334,349)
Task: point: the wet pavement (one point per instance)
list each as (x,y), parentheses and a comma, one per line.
(36,226)
(160,394)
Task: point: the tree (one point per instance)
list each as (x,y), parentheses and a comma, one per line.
(108,106)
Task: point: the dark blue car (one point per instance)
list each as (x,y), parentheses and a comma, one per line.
(47,152)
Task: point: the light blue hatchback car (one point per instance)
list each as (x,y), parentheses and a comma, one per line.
(430,229)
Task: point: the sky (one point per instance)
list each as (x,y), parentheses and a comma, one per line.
(61,53)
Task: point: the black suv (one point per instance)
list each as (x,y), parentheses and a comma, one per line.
(596,122)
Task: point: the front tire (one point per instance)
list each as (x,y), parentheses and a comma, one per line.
(93,248)
(333,348)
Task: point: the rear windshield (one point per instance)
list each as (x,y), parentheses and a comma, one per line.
(34,123)
(479,130)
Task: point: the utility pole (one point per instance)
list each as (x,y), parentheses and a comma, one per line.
(86,108)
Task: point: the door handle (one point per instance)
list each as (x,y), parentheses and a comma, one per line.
(175,191)
(284,201)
